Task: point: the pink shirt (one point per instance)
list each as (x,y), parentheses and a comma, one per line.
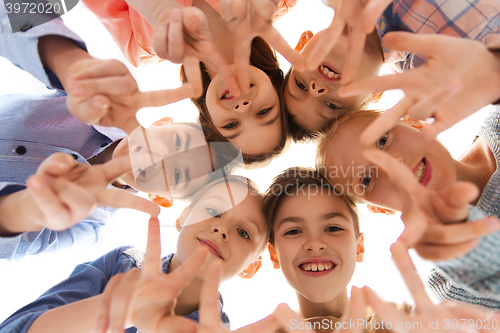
(132,32)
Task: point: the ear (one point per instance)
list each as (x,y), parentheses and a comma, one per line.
(376,97)
(163,121)
(304,38)
(360,249)
(252,269)
(380,210)
(179,223)
(274,256)
(161,201)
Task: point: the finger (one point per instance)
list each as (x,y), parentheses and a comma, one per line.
(209,299)
(355,311)
(163,97)
(152,257)
(460,194)
(383,309)
(276,40)
(424,44)
(104,305)
(399,173)
(326,43)
(90,111)
(372,11)
(177,324)
(220,66)
(99,69)
(160,40)
(268,324)
(410,275)
(121,199)
(355,47)
(185,274)
(265,8)
(193,74)
(284,315)
(378,83)
(242,51)
(426,107)
(56,164)
(121,299)
(385,122)
(445,252)
(175,38)
(118,85)
(416,224)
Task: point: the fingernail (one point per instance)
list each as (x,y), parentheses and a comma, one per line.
(35,184)
(100,105)
(76,89)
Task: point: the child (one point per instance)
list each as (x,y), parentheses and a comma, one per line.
(320,87)
(254,121)
(225,218)
(341,159)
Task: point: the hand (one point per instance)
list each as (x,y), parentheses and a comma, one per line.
(183,36)
(210,311)
(103,92)
(459,78)
(360,18)
(449,316)
(64,192)
(429,216)
(249,19)
(146,298)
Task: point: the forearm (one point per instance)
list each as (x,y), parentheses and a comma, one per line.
(58,54)
(151,9)
(75,317)
(18,214)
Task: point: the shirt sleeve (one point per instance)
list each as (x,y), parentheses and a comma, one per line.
(21,48)
(86,232)
(87,280)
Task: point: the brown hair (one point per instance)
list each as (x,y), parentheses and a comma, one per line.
(263,57)
(325,140)
(299,133)
(296,178)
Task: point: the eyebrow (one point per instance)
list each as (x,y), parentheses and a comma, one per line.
(188,141)
(187,178)
(297,219)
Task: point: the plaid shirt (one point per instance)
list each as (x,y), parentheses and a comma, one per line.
(473,19)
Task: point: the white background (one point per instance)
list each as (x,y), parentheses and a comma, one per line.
(245,300)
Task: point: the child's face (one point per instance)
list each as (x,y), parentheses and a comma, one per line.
(316,245)
(253,120)
(311,97)
(429,160)
(182,171)
(236,236)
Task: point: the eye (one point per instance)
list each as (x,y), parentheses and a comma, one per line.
(382,141)
(263,112)
(300,85)
(177,176)
(333,229)
(213,212)
(243,233)
(231,125)
(292,232)
(365,181)
(177,142)
(332,106)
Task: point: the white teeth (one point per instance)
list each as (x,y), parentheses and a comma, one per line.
(316,267)
(420,171)
(227,95)
(330,74)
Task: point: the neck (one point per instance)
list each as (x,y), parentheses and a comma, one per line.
(477,165)
(374,48)
(333,308)
(105,155)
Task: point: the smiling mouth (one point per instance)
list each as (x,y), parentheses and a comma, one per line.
(318,266)
(423,172)
(212,248)
(227,95)
(328,72)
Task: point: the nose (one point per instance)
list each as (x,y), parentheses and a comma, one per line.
(220,231)
(316,90)
(242,105)
(314,244)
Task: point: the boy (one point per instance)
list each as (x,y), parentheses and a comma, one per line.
(320,86)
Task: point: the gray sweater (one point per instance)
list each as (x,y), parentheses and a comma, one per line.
(475,277)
